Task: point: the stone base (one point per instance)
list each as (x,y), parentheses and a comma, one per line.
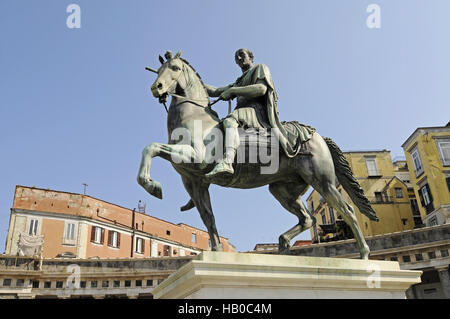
(220,275)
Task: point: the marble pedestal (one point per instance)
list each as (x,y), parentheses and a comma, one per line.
(220,275)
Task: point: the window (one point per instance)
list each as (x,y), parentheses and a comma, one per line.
(426,195)
(33,229)
(417,162)
(315,233)
(82,284)
(20,282)
(166,250)
(35,284)
(426,199)
(419,257)
(431,254)
(378,197)
(444,151)
(372,169)
(59,284)
(47,284)
(97,235)
(168,232)
(149,283)
(70,231)
(447,179)
(444,253)
(6,282)
(194,238)
(94,284)
(116,284)
(406,259)
(398,192)
(414,206)
(140,245)
(332,220)
(105,284)
(113,239)
(324,218)
(433,221)
(127,283)
(394,259)
(138,283)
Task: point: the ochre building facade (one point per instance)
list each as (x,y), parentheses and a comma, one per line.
(427,152)
(386,184)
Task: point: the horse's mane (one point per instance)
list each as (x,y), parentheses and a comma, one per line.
(195,72)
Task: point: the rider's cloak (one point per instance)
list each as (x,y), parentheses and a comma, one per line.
(290,140)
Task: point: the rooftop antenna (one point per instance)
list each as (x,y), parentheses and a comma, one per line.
(84,186)
(141,207)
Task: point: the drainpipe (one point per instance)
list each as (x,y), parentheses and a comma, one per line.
(132,232)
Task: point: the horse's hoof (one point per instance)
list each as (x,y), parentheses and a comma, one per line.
(284,251)
(283,246)
(217,247)
(364,254)
(153,188)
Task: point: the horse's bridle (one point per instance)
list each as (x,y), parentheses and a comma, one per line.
(161,100)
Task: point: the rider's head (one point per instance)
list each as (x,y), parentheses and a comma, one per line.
(244,58)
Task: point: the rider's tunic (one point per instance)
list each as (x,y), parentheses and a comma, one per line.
(262,112)
(251,112)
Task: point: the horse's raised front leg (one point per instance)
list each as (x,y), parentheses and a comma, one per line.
(200,196)
(172,153)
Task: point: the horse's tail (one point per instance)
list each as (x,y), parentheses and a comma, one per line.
(348,180)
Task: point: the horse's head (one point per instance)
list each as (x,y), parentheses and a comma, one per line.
(169,75)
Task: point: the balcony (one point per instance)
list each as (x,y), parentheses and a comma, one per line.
(380,199)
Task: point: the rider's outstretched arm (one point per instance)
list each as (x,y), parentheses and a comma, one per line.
(248,91)
(215,92)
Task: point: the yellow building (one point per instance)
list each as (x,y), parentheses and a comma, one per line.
(427,152)
(388,188)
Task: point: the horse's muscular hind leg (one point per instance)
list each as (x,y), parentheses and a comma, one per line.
(289,196)
(335,199)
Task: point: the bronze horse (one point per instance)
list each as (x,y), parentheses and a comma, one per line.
(189,108)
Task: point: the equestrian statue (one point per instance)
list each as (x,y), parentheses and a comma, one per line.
(205,150)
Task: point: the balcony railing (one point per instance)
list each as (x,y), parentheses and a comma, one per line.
(380,199)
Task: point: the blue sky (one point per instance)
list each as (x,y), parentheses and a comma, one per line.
(75,104)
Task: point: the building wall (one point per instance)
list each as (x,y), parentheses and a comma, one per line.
(395,212)
(435,172)
(426,249)
(54,210)
(62,278)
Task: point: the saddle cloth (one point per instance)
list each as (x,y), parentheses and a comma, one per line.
(297,134)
